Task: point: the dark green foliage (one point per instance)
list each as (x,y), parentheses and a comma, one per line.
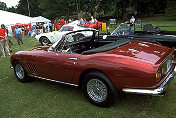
(22,8)
(12,9)
(171,7)
(98,8)
(3,6)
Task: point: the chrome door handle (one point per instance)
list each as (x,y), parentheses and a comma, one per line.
(73,59)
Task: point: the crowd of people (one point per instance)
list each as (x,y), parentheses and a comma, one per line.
(38,28)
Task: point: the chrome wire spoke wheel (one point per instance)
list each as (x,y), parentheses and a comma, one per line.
(19,71)
(97,90)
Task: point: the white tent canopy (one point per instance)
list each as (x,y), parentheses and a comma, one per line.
(39,19)
(9,18)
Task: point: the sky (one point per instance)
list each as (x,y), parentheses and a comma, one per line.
(10,3)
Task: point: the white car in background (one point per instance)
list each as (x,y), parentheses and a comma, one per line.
(52,37)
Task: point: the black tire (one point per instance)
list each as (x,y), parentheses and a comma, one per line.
(99,90)
(44,41)
(20,72)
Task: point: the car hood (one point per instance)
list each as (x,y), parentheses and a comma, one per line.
(146,51)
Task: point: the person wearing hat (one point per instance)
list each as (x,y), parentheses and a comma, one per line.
(18,33)
(3,44)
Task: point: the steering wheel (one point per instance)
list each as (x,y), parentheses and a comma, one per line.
(67,48)
(65,51)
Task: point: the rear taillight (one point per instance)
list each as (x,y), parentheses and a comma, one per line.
(165,67)
(158,75)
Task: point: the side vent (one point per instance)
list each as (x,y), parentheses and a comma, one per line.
(32,68)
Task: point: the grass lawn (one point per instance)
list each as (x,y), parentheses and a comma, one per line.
(50,100)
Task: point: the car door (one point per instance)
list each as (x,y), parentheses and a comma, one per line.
(60,63)
(56,65)
(64,66)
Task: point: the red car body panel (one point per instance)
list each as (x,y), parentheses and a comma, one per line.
(95,25)
(129,66)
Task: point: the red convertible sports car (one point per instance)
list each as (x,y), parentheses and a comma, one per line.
(101,68)
(95,25)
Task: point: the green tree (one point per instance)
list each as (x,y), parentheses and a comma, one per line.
(12,9)
(171,7)
(22,8)
(3,6)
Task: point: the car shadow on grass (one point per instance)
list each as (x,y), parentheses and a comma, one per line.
(75,93)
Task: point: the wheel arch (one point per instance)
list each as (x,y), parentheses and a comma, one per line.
(13,62)
(81,78)
(40,39)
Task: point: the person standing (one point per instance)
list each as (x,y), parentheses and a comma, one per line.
(56,25)
(23,30)
(81,22)
(50,26)
(92,20)
(132,20)
(40,28)
(9,43)
(33,30)
(30,30)
(62,21)
(3,43)
(18,33)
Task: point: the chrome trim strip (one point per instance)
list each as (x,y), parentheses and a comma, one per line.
(156,91)
(54,80)
(163,53)
(142,44)
(73,59)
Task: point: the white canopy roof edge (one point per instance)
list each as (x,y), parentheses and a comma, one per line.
(9,18)
(39,19)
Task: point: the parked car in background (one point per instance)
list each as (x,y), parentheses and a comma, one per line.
(127,31)
(52,37)
(95,25)
(101,68)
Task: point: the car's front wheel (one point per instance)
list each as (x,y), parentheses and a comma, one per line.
(20,72)
(44,41)
(99,90)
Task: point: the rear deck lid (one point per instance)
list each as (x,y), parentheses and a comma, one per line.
(142,50)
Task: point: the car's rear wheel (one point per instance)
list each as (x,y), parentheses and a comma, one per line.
(99,90)
(44,41)
(20,72)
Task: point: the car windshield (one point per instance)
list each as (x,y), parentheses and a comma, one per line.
(72,38)
(66,28)
(124,29)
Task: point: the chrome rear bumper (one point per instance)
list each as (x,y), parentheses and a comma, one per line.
(161,89)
